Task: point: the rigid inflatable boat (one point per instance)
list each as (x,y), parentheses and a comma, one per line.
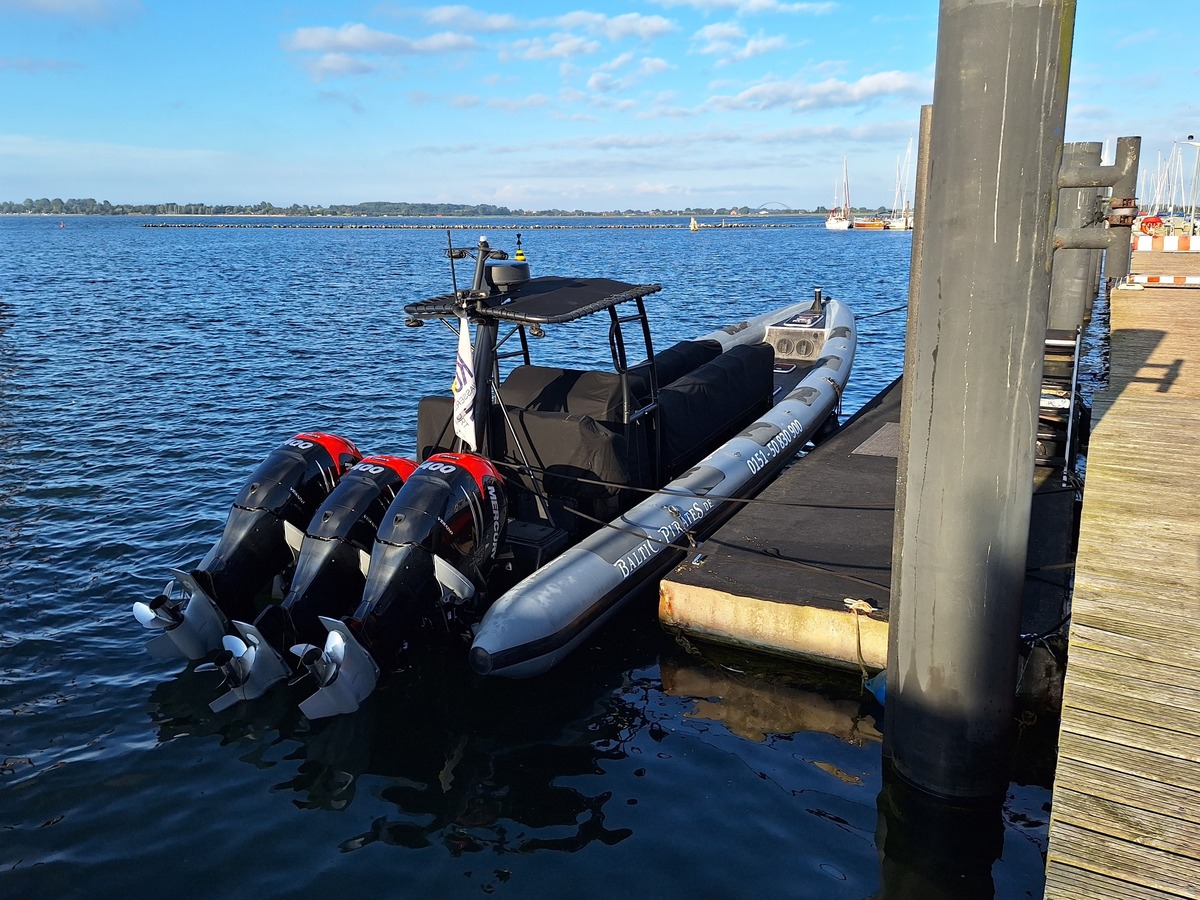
(541,498)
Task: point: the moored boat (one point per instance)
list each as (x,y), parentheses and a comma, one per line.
(540,500)
(840,218)
(901,218)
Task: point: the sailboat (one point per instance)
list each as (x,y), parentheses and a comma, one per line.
(839,219)
(902,216)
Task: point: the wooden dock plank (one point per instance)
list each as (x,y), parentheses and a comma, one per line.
(1127,789)
(1069,881)
(1120,675)
(1158,262)
(1120,863)
(1150,764)
(1157,713)
(1140,621)
(1122,733)
(1132,826)
(1114,676)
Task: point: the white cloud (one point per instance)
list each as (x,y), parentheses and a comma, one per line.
(556,46)
(659,189)
(359,38)
(613,28)
(618,62)
(756,46)
(728,40)
(90,168)
(445,42)
(331,65)
(752,7)
(720,37)
(797,94)
(603,79)
(471,20)
(351,37)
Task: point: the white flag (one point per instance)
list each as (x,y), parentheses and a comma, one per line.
(464,387)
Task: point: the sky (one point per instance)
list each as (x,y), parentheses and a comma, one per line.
(574,104)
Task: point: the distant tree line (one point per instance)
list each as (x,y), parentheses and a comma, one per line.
(89,207)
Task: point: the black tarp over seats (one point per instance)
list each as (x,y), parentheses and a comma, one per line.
(567,425)
(713,403)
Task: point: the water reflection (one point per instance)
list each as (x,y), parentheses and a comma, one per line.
(927,848)
(756,708)
(934,850)
(462,761)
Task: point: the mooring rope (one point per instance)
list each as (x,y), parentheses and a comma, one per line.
(882,313)
(691,495)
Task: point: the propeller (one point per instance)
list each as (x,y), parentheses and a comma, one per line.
(161,612)
(323,663)
(345,672)
(234,660)
(187,621)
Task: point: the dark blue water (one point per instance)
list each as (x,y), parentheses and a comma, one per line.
(145,371)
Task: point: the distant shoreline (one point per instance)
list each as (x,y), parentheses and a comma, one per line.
(384,209)
(477,222)
(522,215)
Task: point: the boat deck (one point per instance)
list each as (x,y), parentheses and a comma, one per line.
(1126,808)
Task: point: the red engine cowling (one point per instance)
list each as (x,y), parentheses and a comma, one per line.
(453,507)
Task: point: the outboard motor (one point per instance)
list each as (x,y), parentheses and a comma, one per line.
(428,566)
(285,489)
(331,570)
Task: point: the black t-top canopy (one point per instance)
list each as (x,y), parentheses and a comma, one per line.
(540,301)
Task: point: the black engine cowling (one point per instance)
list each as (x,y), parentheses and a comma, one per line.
(452,508)
(329,578)
(288,486)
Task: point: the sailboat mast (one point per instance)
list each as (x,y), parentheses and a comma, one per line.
(846,185)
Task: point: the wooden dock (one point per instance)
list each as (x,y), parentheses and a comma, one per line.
(1125,820)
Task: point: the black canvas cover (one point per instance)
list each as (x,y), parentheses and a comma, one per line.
(671,364)
(713,403)
(538,387)
(435,429)
(577,393)
(568,448)
(541,301)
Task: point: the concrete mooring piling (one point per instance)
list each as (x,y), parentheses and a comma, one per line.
(1073,279)
(974,366)
(1121,208)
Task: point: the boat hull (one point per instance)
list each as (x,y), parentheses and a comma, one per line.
(541,620)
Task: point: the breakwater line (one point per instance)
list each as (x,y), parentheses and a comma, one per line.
(461,226)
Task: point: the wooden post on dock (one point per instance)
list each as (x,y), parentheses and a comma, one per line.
(975,370)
